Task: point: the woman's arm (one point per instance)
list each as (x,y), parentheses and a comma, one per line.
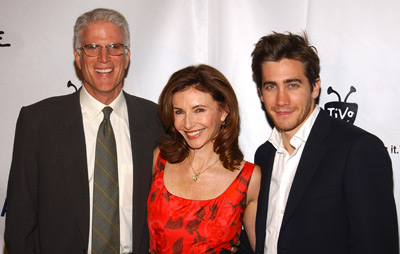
(249,218)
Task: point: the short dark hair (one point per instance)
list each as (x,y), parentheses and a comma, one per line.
(277,46)
(206,79)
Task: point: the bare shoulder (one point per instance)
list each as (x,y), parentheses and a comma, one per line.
(256,173)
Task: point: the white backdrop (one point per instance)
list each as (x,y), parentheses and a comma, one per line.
(357,42)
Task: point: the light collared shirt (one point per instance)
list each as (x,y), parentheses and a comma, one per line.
(283,172)
(92,117)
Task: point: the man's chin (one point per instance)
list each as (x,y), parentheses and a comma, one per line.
(285,127)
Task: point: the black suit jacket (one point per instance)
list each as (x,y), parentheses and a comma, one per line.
(48,191)
(341,200)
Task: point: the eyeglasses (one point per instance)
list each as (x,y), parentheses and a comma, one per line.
(114,49)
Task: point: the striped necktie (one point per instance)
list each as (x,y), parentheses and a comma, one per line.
(105,223)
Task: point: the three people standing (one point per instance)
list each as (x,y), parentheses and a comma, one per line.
(325,186)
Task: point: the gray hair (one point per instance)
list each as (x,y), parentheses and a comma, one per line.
(100,15)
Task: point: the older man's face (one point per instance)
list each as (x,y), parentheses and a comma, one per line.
(103,75)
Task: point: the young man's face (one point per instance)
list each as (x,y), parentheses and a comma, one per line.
(287,94)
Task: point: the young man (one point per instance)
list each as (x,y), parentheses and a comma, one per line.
(326,185)
(81,167)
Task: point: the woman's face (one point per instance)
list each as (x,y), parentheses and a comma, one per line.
(197,117)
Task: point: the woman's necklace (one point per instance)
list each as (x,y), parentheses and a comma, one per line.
(196,176)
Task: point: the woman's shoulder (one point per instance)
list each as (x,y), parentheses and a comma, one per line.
(247,167)
(251,170)
(246,172)
(248,164)
(158,161)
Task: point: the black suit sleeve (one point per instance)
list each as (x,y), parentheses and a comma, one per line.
(21,220)
(244,247)
(369,200)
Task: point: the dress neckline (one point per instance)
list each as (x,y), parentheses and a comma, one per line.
(201,200)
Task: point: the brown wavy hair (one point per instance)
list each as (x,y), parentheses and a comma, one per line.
(277,46)
(209,80)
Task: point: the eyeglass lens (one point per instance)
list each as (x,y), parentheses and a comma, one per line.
(114,49)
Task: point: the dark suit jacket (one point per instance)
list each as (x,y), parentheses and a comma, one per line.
(341,200)
(48,191)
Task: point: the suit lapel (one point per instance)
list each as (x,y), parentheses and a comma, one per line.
(73,156)
(266,163)
(314,152)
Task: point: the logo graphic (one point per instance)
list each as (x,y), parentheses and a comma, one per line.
(6,44)
(342,110)
(394,149)
(69,84)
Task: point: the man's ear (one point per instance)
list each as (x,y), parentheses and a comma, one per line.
(127,58)
(315,88)
(77,59)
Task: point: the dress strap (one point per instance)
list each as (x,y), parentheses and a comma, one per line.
(246,173)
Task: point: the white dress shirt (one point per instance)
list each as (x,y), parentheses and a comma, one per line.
(92,117)
(283,172)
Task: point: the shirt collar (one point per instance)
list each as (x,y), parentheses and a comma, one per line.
(93,107)
(299,137)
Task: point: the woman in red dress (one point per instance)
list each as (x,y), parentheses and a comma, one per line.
(202,189)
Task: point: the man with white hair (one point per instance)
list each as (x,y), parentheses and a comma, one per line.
(81,166)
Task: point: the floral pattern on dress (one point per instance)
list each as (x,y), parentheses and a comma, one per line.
(178,225)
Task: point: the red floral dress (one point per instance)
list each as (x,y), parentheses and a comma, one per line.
(179,225)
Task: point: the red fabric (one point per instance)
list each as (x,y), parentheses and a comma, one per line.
(179,225)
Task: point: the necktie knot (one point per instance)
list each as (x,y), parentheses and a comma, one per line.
(107,112)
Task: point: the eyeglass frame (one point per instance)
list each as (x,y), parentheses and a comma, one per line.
(101,49)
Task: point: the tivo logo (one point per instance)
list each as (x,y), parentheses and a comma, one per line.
(342,110)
